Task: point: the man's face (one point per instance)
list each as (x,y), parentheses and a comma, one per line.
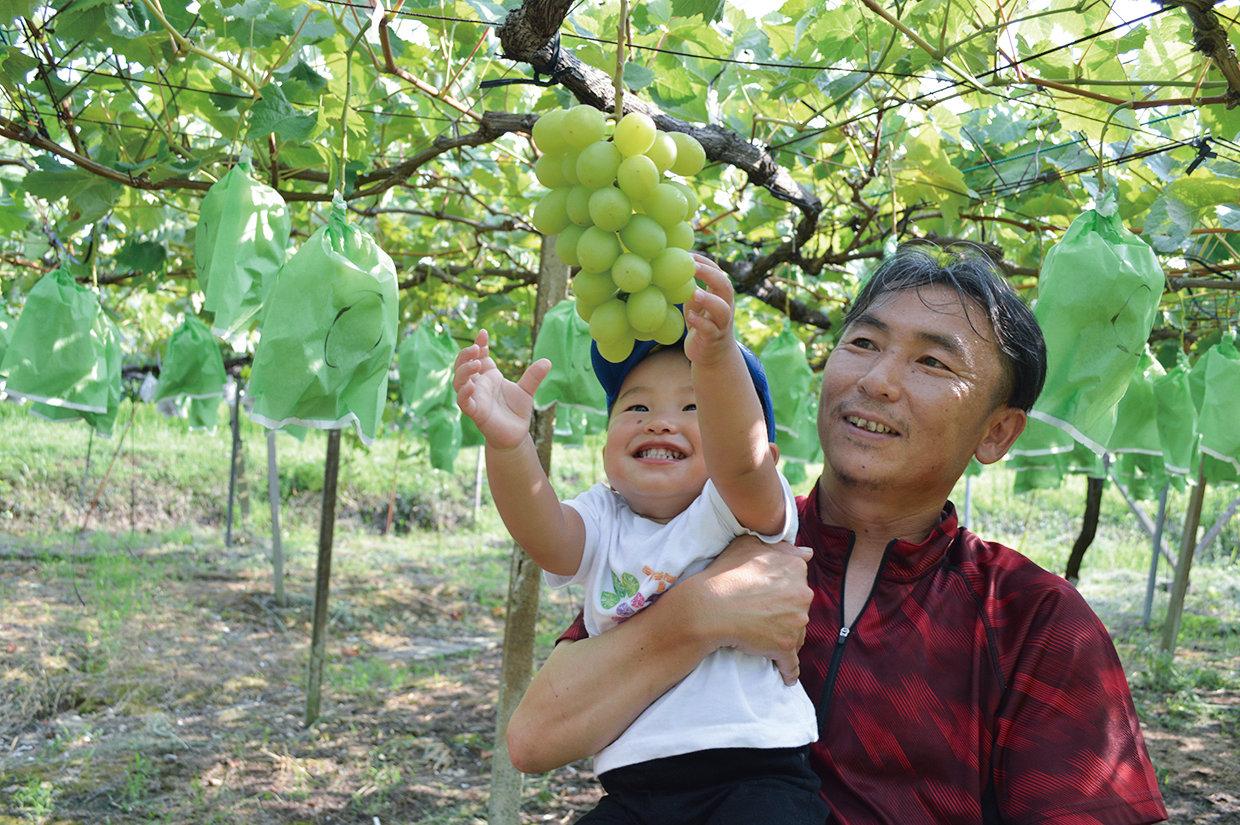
(653,454)
(911,392)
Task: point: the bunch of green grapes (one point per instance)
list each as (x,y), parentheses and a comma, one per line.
(617,217)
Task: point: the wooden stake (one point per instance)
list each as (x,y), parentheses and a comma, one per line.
(1153,577)
(391,508)
(478,484)
(523,580)
(235,424)
(273,499)
(322,579)
(1192,520)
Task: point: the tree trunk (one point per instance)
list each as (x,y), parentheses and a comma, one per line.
(1089,528)
(523,580)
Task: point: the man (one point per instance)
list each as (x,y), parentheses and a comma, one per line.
(954,680)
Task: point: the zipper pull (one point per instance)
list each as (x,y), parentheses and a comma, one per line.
(843,637)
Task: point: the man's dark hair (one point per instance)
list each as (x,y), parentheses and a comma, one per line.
(975,279)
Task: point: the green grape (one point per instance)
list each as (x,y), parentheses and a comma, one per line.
(647,309)
(549,132)
(593,287)
(662,152)
(568,169)
(680,293)
(631,272)
(681,235)
(578,205)
(671,268)
(671,329)
(617,350)
(691,197)
(610,322)
(690,156)
(610,208)
(637,176)
(644,236)
(634,134)
(583,125)
(549,170)
(597,164)
(597,250)
(566,244)
(551,213)
(666,204)
(584,310)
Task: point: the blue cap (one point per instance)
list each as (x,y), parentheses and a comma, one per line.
(612,375)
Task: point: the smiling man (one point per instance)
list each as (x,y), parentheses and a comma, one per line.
(954,680)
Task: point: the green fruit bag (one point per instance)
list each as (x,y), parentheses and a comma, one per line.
(795,403)
(1177,421)
(240,244)
(64,354)
(192,366)
(1098,295)
(328,334)
(425,360)
(1136,418)
(1220,412)
(582,405)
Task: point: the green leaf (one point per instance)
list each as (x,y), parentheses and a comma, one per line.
(273,113)
(16,65)
(13,215)
(10,9)
(637,76)
(143,256)
(629,585)
(710,10)
(608,599)
(1168,223)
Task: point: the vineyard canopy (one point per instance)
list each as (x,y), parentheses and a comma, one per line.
(833,131)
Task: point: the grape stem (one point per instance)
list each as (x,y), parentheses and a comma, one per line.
(621,38)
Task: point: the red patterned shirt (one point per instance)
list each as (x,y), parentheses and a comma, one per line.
(974,686)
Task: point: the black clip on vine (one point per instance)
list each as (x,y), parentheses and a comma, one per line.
(1203,151)
(549,68)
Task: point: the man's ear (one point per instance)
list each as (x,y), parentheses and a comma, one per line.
(774,452)
(1003,428)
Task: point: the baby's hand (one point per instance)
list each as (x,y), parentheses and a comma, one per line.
(500,408)
(708,314)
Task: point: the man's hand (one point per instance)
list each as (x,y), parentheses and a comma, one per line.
(500,408)
(708,314)
(759,601)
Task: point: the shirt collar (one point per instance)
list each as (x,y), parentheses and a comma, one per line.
(905,560)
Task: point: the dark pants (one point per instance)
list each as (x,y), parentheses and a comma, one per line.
(727,786)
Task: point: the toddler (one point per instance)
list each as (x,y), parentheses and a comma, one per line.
(690,464)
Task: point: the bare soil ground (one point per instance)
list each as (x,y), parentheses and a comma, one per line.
(176,693)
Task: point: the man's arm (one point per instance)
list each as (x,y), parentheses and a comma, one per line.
(734,438)
(753,597)
(551,532)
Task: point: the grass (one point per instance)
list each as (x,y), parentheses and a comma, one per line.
(174,694)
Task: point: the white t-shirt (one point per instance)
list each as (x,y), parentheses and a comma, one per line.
(731,699)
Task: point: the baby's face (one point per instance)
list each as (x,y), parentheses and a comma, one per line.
(653,455)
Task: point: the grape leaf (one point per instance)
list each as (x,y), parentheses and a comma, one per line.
(710,10)
(273,113)
(142,256)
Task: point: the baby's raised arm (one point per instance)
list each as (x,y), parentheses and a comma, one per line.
(552,533)
(738,455)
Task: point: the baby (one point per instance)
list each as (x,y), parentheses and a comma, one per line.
(690,465)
